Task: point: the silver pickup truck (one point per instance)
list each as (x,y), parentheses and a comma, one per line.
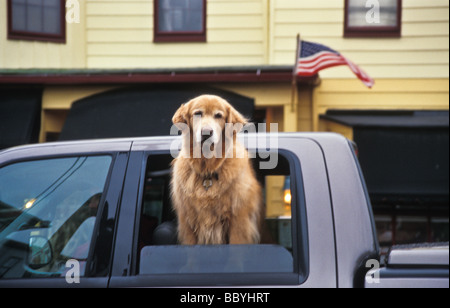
(98,214)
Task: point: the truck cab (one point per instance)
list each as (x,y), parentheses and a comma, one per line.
(100,211)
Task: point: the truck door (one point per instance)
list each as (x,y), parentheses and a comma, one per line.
(57,218)
(298,243)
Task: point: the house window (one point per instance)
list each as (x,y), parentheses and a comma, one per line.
(180,21)
(373,18)
(37,20)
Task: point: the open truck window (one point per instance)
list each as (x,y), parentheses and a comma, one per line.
(159,252)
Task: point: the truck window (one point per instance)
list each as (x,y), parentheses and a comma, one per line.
(48,211)
(158,249)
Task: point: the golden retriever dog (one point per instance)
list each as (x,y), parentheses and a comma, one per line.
(215,193)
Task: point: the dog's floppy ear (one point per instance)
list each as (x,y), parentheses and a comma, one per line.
(235,117)
(180,115)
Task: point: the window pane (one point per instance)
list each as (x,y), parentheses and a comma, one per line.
(194,20)
(361,16)
(19,13)
(410,230)
(385,236)
(34,16)
(37,16)
(278,209)
(439,229)
(160,253)
(180,15)
(52,17)
(384,230)
(47,214)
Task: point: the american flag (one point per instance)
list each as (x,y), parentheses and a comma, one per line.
(314,57)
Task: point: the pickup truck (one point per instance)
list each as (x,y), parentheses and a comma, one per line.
(98,214)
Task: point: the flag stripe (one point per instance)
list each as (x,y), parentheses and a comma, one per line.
(316,57)
(319,55)
(363,76)
(320,59)
(324,65)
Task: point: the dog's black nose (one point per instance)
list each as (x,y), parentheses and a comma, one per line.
(207,132)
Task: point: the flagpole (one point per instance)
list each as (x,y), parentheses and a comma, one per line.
(294,89)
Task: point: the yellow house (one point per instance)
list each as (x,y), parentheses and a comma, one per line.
(246,47)
(411,70)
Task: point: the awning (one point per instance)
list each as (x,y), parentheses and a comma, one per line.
(138,111)
(20,111)
(389,119)
(239,74)
(404,155)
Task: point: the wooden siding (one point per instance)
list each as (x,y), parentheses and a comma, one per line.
(17,54)
(120,35)
(421,52)
(387,94)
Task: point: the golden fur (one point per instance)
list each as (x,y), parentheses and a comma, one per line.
(227,212)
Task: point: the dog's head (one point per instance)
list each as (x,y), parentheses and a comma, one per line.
(207,117)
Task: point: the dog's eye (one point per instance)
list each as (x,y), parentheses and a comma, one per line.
(198,113)
(218,116)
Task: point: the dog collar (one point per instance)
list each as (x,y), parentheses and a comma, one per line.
(208,180)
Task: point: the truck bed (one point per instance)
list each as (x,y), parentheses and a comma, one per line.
(413,266)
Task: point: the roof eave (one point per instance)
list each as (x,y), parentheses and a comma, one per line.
(254,74)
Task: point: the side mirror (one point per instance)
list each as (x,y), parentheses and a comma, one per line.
(39,252)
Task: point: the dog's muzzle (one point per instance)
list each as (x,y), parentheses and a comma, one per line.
(207,132)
